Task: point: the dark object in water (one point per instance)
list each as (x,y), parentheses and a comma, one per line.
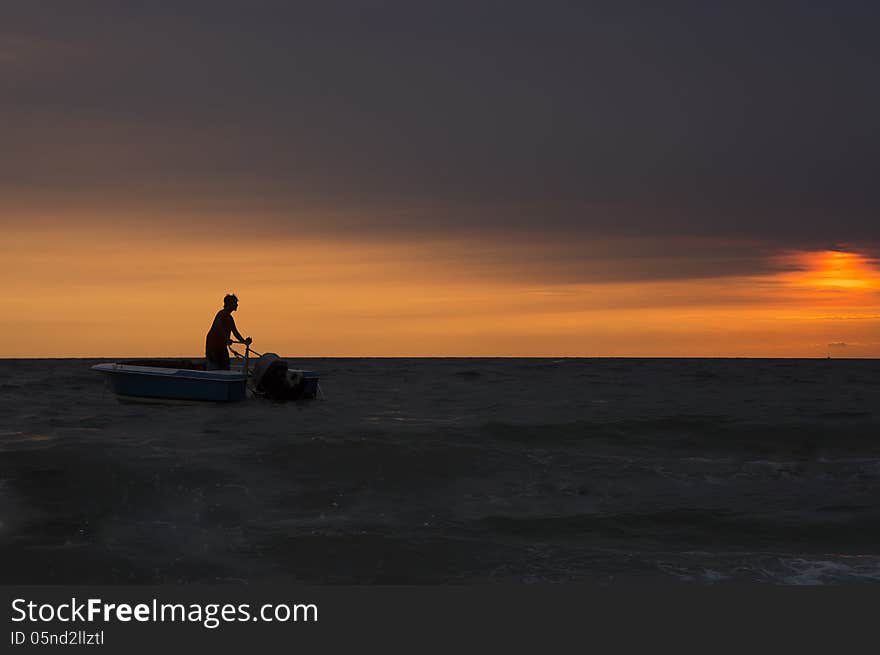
(276,381)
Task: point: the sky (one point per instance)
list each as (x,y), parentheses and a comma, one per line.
(385,178)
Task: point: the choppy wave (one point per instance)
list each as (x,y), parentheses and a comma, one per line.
(448,470)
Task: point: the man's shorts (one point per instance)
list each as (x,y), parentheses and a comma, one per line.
(217,360)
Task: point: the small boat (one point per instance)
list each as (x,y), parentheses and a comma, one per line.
(172,379)
(188,380)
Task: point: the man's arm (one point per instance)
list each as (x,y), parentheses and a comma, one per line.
(237,334)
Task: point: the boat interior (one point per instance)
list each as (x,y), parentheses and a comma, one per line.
(188,364)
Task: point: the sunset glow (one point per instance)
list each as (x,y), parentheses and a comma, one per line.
(833,269)
(112,291)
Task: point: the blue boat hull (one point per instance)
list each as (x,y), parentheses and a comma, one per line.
(174,384)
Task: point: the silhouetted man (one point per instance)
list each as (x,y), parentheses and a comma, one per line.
(216,354)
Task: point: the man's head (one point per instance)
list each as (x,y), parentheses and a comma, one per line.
(230,302)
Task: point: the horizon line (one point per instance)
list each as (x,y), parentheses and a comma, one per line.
(756,357)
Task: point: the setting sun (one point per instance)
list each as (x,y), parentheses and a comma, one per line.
(834,269)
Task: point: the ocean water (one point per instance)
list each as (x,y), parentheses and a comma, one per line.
(451,471)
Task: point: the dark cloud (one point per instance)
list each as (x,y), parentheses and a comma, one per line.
(486,118)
